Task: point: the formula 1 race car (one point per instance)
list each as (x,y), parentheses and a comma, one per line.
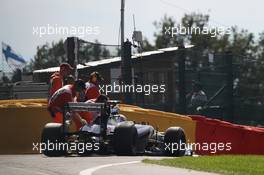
(110,133)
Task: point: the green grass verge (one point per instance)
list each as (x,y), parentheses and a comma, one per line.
(227,164)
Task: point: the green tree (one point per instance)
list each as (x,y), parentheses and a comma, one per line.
(52,55)
(248,52)
(147,46)
(163,40)
(48,56)
(92,51)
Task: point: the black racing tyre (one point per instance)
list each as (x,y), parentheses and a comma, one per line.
(53,141)
(174,142)
(125,138)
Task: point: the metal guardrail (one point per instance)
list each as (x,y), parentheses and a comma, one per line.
(24,90)
(5,92)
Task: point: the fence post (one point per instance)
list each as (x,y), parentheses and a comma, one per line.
(126,70)
(229,82)
(71,46)
(182,85)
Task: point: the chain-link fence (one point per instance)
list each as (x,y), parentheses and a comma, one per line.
(93,51)
(214,71)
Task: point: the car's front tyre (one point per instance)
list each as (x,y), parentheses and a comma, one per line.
(174,142)
(125,138)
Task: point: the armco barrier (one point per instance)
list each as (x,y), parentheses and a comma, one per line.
(243,139)
(254,141)
(21,127)
(23,120)
(160,120)
(21,124)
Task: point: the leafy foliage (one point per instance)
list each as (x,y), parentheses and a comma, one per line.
(248,52)
(54,54)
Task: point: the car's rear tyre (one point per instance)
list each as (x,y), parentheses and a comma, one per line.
(85,139)
(125,138)
(53,141)
(175,142)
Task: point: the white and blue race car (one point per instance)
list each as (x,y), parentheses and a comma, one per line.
(110,133)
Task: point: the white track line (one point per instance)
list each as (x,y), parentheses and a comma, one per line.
(89,171)
(28,171)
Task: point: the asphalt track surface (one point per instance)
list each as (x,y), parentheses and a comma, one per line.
(96,165)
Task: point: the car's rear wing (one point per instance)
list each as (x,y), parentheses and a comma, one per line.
(102,108)
(85,107)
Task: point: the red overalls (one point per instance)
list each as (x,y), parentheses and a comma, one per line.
(56,82)
(92,91)
(58,100)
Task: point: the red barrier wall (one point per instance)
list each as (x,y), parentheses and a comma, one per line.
(242,139)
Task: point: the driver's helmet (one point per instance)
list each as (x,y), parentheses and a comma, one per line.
(115,110)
